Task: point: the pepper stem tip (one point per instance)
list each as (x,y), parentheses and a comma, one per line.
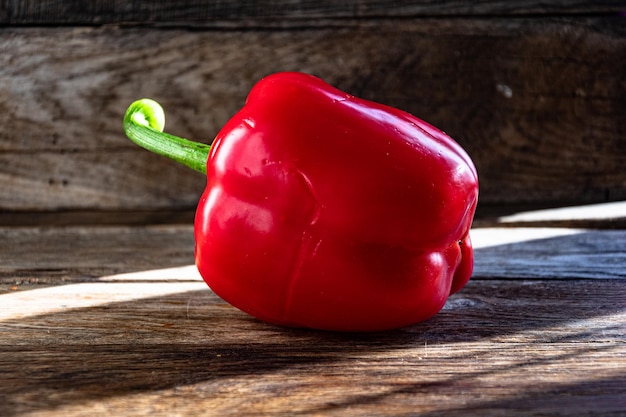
(146,112)
(144,122)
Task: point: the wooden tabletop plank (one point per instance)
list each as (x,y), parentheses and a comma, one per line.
(501,310)
(79,253)
(549,253)
(42,254)
(550,347)
(608,215)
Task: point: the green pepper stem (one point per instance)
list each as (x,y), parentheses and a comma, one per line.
(144,122)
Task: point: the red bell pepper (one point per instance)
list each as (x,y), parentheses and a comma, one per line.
(326,211)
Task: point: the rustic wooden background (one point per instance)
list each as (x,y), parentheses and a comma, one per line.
(102,311)
(535,91)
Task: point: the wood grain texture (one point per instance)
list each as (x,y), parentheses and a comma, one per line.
(538,103)
(102,320)
(274,12)
(84,253)
(549,253)
(610,215)
(36,255)
(100,217)
(103,315)
(548,348)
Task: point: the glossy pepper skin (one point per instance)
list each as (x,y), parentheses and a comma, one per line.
(326,211)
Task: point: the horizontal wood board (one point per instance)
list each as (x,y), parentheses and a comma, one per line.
(78,253)
(274,12)
(85,253)
(538,103)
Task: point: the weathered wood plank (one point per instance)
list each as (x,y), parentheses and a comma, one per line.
(591,216)
(95,179)
(33,255)
(98,218)
(607,212)
(538,103)
(549,253)
(267,12)
(542,347)
(326,380)
(502,311)
(82,253)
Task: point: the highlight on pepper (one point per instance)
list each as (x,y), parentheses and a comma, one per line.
(323,210)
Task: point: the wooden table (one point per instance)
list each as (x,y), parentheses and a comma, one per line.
(114,320)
